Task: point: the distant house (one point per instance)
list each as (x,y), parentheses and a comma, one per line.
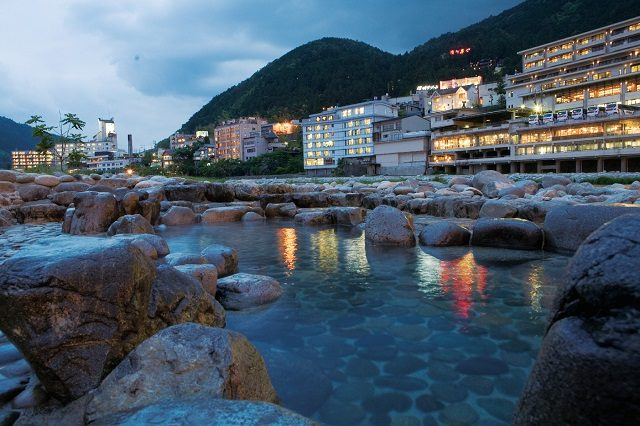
(401,145)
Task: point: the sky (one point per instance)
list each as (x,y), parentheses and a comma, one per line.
(151,64)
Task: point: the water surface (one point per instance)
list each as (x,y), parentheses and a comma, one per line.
(368,335)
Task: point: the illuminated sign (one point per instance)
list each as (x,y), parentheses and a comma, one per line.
(426,87)
(461,51)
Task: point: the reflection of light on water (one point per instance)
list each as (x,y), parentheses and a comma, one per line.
(428,272)
(287,246)
(535,283)
(459,277)
(324,244)
(355,257)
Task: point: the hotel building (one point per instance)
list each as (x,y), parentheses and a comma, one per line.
(228,136)
(342,132)
(573,108)
(401,145)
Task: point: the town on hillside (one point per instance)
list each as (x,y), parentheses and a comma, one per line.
(573,108)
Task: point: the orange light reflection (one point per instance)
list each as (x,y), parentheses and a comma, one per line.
(461,277)
(287,246)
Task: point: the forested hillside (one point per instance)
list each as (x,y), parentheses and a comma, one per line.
(13,136)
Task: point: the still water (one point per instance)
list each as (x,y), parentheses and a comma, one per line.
(367,335)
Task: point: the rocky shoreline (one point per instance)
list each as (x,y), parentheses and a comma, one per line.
(93,352)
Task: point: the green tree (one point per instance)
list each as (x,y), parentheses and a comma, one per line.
(501,90)
(74,160)
(60,139)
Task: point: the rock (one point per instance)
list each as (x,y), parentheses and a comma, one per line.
(130,202)
(47,180)
(156,242)
(224,214)
(178,216)
(252,217)
(482,365)
(528,186)
(81,336)
(315,217)
(341,199)
(403,190)
(145,184)
(94,212)
(7,187)
(444,234)
(184,362)
(280,210)
(8,417)
(512,192)
(32,396)
(33,192)
(67,178)
(566,227)
(63,198)
(130,224)
(176,259)
(387,225)
(7,176)
(219,192)
(9,388)
(150,209)
(516,234)
(115,182)
(207,275)
(40,212)
(247,191)
(225,258)
(6,218)
(220,412)
(194,193)
(460,180)
(491,182)
(25,178)
(550,180)
(498,208)
(310,199)
(350,216)
(589,358)
(241,291)
(72,186)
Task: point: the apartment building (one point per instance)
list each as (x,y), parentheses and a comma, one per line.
(342,132)
(401,145)
(30,158)
(181,140)
(575,107)
(228,136)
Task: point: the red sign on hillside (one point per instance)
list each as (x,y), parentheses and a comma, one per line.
(461,51)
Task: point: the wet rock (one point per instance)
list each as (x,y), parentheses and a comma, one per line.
(32,396)
(72,186)
(384,403)
(386,225)
(491,182)
(179,216)
(241,291)
(350,216)
(310,199)
(8,417)
(512,192)
(224,214)
(6,187)
(590,353)
(247,191)
(449,392)
(176,259)
(7,176)
(252,217)
(219,192)
(207,275)
(552,179)
(428,403)
(146,242)
(63,198)
(443,234)
(6,218)
(223,257)
(498,209)
(529,186)
(194,193)
(516,234)
(9,388)
(567,227)
(280,210)
(94,212)
(40,212)
(340,412)
(130,224)
(459,414)
(349,199)
(184,362)
(313,218)
(207,411)
(33,192)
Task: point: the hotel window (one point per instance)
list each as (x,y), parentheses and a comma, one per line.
(309,137)
(533,137)
(570,96)
(583,40)
(606,89)
(634,27)
(367,121)
(526,151)
(347,113)
(597,37)
(601,75)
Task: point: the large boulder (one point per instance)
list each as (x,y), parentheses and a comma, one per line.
(72,186)
(219,192)
(516,234)
(566,227)
(349,199)
(7,187)
(7,176)
(193,192)
(207,275)
(224,214)
(94,212)
(528,186)
(314,217)
(491,182)
(33,192)
(178,216)
(223,257)
(184,362)
(442,234)
(311,199)
(75,310)
(6,218)
(47,180)
(39,212)
(387,225)
(350,216)
(498,208)
(550,180)
(588,368)
(220,412)
(63,198)
(280,210)
(241,291)
(131,224)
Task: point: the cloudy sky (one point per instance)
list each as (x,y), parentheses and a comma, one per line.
(151,64)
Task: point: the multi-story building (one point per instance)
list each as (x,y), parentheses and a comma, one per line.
(581,94)
(342,132)
(181,140)
(401,145)
(31,158)
(258,143)
(228,136)
(205,154)
(106,140)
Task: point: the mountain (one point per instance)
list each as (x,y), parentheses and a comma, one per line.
(13,136)
(333,71)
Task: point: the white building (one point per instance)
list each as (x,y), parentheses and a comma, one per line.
(342,132)
(106,140)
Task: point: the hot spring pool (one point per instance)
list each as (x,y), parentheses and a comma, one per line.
(368,335)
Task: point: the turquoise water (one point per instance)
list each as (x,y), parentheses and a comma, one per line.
(368,335)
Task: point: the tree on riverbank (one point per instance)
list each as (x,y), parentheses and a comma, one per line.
(59,140)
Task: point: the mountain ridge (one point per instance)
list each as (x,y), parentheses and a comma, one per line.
(13,136)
